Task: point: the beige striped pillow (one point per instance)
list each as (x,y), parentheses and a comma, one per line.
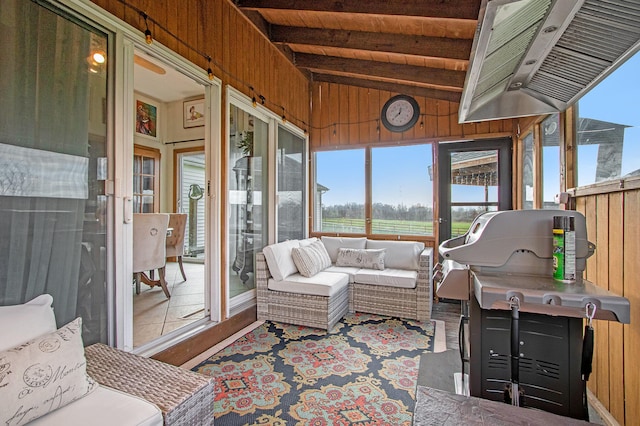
(311,259)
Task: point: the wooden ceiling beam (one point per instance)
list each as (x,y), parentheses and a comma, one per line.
(434,76)
(406,89)
(361,40)
(258,20)
(454,9)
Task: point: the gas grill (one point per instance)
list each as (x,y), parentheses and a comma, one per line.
(521,330)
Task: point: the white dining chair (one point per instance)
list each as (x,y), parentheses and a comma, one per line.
(149,249)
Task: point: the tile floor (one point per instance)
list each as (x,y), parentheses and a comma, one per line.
(155,315)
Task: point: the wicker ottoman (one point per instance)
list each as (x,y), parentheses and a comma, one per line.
(184,397)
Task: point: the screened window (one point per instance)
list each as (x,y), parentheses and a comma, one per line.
(340,191)
(550,131)
(608,127)
(398,200)
(402,190)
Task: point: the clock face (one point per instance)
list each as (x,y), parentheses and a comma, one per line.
(400,113)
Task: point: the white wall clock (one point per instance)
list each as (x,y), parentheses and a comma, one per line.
(400,113)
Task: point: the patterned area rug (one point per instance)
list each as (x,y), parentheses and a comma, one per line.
(363,372)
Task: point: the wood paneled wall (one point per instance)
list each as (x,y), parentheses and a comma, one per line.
(241,55)
(348,115)
(613,225)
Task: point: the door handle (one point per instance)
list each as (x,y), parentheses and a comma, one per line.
(127,207)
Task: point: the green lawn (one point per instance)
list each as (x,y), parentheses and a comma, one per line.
(380,226)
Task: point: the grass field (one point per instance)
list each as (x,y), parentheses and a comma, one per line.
(395,227)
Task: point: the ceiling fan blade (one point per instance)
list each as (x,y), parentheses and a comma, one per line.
(148,65)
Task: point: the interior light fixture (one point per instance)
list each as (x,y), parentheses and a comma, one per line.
(96,60)
(99,57)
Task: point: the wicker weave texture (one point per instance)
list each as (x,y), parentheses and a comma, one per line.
(413,303)
(299,309)
(321,312)
(184,397)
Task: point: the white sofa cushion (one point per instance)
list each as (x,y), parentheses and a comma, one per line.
(402,278)
(311,259)
(399,254)
(104,407)
(321,284)
(333,244)
(44,374)
(20,323)
(279,259)
(308,241)
(349,270)
(363,258)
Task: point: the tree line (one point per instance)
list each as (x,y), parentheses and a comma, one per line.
(416,212)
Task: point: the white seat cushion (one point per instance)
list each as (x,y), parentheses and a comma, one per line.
(104,407)
(321,284)
(349,270)
(401,278)
(399,254)
(279,259)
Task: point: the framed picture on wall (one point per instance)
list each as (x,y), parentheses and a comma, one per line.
(193,113)
(146,119)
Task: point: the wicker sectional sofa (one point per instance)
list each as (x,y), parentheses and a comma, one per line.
(48,378)
(398,285)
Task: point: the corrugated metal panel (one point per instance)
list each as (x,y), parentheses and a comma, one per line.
(599,34)
(575,45)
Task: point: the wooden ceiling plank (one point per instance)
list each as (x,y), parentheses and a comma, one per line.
(391,87)
(395,43)
(435,76)
(455,9)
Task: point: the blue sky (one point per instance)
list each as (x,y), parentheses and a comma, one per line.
(404,179)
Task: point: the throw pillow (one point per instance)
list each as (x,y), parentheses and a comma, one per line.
(19,323)
(311,259)
(43,374)
(279,260)
(361,258)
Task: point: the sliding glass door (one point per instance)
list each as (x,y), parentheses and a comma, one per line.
(247,180)
(54,214)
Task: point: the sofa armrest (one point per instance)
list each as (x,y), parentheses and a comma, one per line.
(262,276)
(424,285)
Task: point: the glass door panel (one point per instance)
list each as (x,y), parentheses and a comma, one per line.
(474,186)
(292,184)
(475,177)
(54,214)
(247,195)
